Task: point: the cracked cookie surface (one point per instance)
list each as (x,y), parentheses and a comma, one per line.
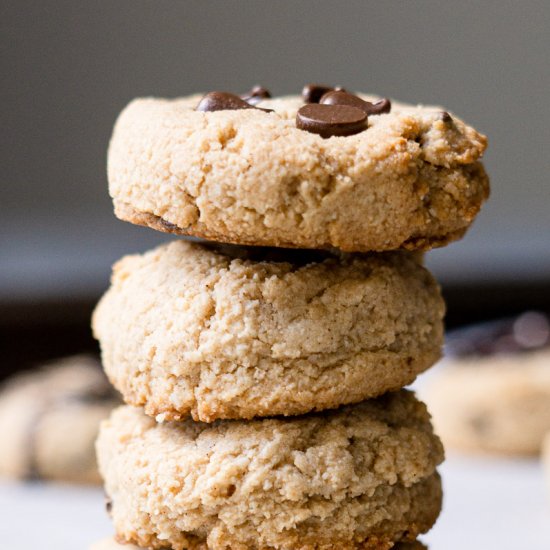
(412,180)
(227,332)
(362,476)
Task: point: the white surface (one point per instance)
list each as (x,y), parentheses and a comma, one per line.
(489,504)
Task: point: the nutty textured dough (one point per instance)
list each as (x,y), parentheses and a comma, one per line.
(412,180)
(222,333)
(362,476)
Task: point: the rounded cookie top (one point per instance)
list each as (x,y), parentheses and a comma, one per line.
(412,179)
(359,477)
(226,332)
(49,421)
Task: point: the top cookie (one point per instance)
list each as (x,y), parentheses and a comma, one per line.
(412,179)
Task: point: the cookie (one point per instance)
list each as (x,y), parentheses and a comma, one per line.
(363,476)
(411,180)
(49,420)
(226,332)
(494,394)
(112,544)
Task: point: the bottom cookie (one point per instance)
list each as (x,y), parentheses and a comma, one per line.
(362,476)
(112,544)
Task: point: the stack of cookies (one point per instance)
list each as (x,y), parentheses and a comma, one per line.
(263,369)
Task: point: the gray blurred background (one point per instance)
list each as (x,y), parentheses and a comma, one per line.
(69,67)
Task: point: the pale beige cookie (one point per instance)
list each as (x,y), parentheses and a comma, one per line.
(362,476)
(49,420)
(498,403)
(191,329)
(411,180)
(112,544)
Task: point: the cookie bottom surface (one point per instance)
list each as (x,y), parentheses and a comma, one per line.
(359,477)
(127,213)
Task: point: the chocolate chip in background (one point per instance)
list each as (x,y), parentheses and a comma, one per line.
(445,117)
(256,94)
(108,504)
(481,424)
(331,120)
(530,331)
(312,93)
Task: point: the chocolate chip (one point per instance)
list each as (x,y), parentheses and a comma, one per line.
(339,97)
(380,107)
(108,504)
(222,101)
(256,94)
(445,116)
(169,226)
(312,93)
(331,120)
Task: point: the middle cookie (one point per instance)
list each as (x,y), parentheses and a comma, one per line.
(226,332)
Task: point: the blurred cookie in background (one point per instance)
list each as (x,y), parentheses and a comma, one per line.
(492,391)
(49,420)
